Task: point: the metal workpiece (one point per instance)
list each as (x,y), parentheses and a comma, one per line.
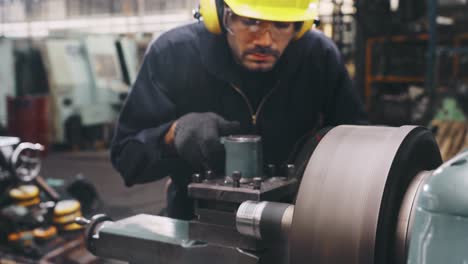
(349,200)
(248,218)
(286,221)
(264,220)
(146,239)
(217,201)
(244,154)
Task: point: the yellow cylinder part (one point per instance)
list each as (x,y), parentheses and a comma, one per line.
(67,218)
(71,227)
(29,203)
(276,10)
(24,192)
(45,233)
(15,237)
(66,207)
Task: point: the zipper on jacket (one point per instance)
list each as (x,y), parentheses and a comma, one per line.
(260,106)
(254,114)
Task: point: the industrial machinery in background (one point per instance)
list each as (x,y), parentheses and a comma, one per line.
(36,221)
(83,79)
(71,83)
(128,50)
(7,78)
(337,21)
(395,40)
(26,101)
(352,195)
(109,81)
(90,78)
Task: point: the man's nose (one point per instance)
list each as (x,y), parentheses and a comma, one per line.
(264,38)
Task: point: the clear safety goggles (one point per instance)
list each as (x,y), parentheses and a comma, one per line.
(239,25)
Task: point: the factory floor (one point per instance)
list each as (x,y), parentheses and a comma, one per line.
(117,200)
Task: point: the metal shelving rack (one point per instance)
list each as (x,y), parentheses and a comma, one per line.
(432,45)
(435,50)
(371,79)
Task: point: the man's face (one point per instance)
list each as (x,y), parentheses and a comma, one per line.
(256,44)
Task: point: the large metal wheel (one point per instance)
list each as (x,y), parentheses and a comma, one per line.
(348,205)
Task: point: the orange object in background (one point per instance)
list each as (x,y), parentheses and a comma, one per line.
(28,119)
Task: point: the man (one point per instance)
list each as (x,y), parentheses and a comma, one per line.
(253,67)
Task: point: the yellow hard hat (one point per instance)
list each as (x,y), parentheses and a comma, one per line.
(275,10)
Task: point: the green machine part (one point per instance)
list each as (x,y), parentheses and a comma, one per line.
(439,231)
(108,79)
(7,76)
(70,82)
(450,111)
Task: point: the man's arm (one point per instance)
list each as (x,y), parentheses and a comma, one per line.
(140,151)
(344,105)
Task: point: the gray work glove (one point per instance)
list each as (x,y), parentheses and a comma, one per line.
(197,139)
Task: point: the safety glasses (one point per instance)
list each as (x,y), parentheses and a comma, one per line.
(244,26)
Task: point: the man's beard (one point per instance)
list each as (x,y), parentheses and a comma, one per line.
(261,51)
(260,69)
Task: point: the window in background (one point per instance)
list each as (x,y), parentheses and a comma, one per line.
(39,18)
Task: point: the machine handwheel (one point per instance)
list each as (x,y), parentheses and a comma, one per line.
(26,161)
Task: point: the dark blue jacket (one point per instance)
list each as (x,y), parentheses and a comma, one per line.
(190,70)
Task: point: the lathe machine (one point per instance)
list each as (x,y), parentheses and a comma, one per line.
(361,195)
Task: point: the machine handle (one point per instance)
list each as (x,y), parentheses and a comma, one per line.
(53,195)
(92,229)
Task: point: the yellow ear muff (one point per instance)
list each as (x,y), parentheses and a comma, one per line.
(209,12)
(305,27)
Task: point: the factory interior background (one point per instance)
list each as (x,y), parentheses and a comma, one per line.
(67,66)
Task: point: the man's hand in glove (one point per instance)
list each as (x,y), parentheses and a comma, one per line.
(196,138)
